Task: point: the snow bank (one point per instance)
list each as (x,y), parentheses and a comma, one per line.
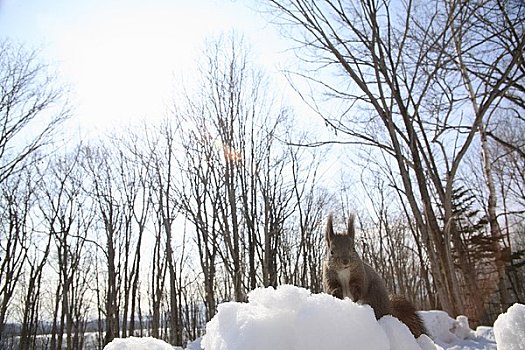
(509,328)
(194,345)
(399,336)
(133,343)
(449,333)
(444,329)
(291,318)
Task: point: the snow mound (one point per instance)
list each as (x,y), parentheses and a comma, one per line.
(509,328)
(134,343)
(444,328)
(291,318)
(400,336)
(449,333)
(194,345)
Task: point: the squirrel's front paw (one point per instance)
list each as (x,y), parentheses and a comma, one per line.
(337,292)
(356,292)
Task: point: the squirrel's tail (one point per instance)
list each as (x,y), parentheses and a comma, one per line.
(405,311)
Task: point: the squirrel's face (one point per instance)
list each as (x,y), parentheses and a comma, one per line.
(340,247)
(340,251)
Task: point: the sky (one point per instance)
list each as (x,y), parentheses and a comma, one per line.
(122,60)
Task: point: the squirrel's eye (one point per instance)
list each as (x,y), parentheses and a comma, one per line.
(332,252)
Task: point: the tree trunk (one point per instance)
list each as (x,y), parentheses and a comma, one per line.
(501,254)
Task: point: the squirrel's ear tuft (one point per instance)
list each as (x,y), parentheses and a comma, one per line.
(329,232)
(351,227)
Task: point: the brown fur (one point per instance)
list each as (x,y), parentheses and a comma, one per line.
(405,311)
(361,282)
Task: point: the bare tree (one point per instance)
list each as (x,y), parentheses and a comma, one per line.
(388,242)
(157,290)
(31,305)
(31,107)
(197,200)
(106,193)
(403,62)
(237,175)
(506,164)
(136,166)
(17,200)
(68,216)
(166,205)
(299,249)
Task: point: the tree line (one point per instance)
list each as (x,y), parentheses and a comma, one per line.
(146,230)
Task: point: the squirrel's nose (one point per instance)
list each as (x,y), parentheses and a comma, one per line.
(346,261)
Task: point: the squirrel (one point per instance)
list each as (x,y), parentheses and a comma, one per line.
(345,275)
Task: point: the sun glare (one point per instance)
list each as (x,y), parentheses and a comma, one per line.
(125,66)
(125,70)
(124,60)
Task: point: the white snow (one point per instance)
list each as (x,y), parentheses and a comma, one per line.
(133,343)
(449,333)
(509,328)
(398,334)
(194,345)
(291,318)
(444,329)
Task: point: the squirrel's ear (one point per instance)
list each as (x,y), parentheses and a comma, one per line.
(351,227)
(329,232)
